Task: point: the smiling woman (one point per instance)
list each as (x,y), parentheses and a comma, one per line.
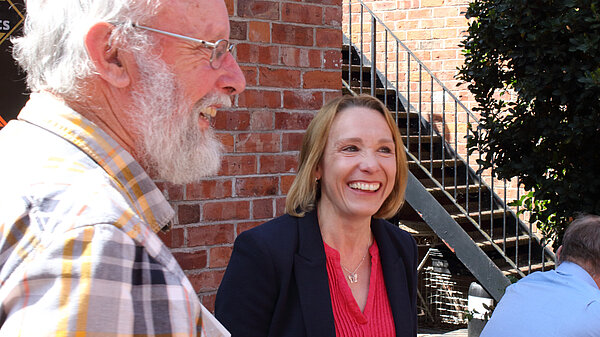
(331,266)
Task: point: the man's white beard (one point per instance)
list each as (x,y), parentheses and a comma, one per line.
(173,144)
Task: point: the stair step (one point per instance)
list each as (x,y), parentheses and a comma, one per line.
(378,91)
(413,139)
(485,215)
(510,242)
(355,68)
(436,163)
(548,265)
(437,191)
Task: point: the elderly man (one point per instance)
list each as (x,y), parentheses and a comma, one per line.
(560,303)
(119,88)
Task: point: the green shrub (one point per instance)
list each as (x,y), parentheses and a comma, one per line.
(548,54)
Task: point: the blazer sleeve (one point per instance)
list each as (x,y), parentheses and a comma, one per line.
(246,297)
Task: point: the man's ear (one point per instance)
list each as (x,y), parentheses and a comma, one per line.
(105,56)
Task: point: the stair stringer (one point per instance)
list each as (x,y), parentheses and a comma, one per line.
(455,237)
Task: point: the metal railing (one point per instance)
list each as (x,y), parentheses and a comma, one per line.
(440,115)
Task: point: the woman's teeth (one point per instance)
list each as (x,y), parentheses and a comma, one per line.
(365,186)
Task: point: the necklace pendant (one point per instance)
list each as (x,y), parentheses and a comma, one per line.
(353,277)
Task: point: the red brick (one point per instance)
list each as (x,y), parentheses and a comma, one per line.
(259,31)
(256,186)
(226,139)
(292,34)
(187,214)
(280,207)
(280,78)
(258,9)
(326,2)
(229,4)
(174,238)
(210,235)
(329,37)
(281,163)
(329,95)
(232,120)
(252,53)
(332,17)
(191,260)
(172,192)
(286,183)
(218,211)
(251,75)
(306,100)
(244,226)
(293,120)
(332,59)
(322,79)
(238,165)
(258,142)
(262,209)
(291,141)
(261,120)
(219,256)
(209,189)
(301,57)
(302,13)
(260,99)
(238,30)
(208,301)
(206,280)
(384,5)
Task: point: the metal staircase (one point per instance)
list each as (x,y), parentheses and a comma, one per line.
(449,205)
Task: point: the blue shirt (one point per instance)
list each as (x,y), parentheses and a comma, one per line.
(564,302)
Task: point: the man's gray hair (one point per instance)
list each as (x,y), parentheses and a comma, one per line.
(581,243)
(52,50)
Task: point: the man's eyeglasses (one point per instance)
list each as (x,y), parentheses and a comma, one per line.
(219,48)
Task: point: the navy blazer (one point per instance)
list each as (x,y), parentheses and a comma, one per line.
(276,283)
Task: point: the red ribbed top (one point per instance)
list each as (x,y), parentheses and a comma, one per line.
(377,319)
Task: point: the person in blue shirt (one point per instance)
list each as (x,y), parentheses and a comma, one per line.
(563,302)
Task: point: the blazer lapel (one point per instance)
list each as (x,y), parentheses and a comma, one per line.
(394,274)
(311,276)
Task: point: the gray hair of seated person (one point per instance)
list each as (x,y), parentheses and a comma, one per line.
(581,243)
(52,50)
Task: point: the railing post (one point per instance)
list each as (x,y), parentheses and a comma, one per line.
(373,54)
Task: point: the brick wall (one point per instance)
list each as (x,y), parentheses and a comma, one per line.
(290,53)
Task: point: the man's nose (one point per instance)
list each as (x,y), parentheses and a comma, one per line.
(232,80)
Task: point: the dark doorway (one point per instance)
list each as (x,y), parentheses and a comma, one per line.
(13,91)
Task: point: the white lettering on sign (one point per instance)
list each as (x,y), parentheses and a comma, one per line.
(5,25)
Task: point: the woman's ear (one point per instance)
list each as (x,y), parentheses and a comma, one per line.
(108,63)
(318,173)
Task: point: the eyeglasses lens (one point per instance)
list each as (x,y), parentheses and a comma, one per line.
(219,52)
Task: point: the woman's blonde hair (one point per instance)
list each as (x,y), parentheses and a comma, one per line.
(304,192)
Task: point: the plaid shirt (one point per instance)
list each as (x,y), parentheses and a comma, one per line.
(78,250)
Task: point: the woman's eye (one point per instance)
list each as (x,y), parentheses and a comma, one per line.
(350,148)
(385,149)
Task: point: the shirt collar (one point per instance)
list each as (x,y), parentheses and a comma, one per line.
(570,268)
(46,111)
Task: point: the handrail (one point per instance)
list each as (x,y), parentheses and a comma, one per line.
(374,16)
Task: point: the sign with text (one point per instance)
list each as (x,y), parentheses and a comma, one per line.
(10,19)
